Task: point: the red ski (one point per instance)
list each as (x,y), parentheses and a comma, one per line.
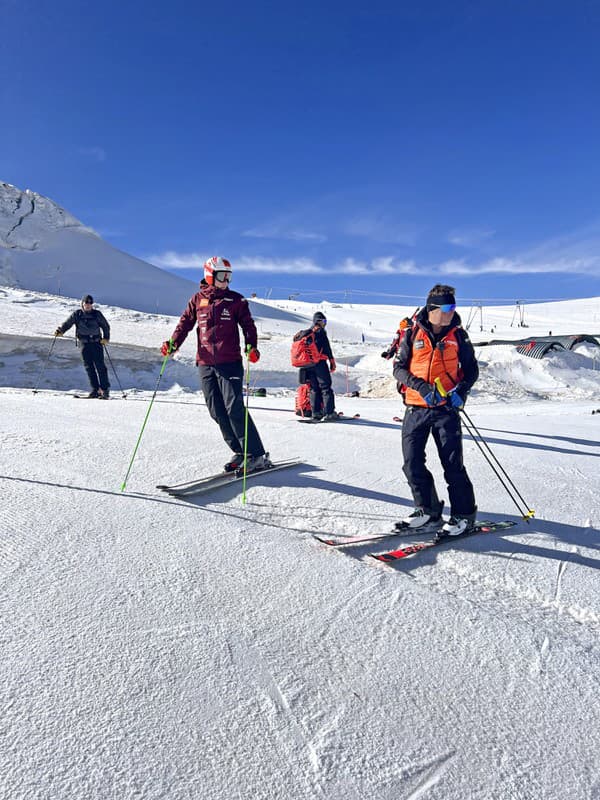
(411,549)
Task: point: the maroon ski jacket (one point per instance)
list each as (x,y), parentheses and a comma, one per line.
(218,312)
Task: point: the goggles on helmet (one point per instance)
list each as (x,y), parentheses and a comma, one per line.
(222,275)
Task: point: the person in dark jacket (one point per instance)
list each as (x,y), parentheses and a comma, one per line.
(92,332)
(322,397)
(219,313)
(436,347)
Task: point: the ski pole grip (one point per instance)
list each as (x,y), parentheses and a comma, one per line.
(439,386)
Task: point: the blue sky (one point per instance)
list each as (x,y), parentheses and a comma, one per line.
(328,148)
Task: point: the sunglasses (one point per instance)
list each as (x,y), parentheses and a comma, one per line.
(445,307)
(222,276)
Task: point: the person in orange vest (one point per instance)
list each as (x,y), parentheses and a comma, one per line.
(403,326)
(436,347)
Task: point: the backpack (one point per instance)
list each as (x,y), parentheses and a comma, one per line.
(302,404)
(305,352)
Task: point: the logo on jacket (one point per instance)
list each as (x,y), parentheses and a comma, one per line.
(225,314)
(419,344)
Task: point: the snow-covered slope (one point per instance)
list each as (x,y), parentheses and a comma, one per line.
(28,319)
(160,648)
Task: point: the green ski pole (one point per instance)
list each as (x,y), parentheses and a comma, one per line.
(137,444)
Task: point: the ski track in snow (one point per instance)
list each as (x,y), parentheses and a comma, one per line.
(255,674)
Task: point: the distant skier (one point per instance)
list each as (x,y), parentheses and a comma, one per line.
(436,346)
(403,326)
(218,311)
(317,373)
(92,332)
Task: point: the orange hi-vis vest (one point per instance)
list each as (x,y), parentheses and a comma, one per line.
(430,362)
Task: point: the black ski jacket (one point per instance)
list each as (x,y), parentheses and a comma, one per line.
(90,326)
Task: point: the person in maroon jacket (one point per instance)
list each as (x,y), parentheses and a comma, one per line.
(219,313)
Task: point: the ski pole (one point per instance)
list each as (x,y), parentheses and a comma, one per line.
(45,364)
(473,430)
(479,441)
(248,348)
(137,444)
(114,370)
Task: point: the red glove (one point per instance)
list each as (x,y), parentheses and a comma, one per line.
(168,347)
(332,365)
(253,355)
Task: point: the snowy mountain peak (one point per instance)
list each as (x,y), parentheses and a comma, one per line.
(26,218)
(44,248)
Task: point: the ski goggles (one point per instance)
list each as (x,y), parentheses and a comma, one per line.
(222,275)
(445,307)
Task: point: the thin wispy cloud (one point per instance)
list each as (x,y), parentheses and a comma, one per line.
(181,261)
(94,153)
(469,237)
(577,253)
(518,266)
(174,260)
(289,234)
(383,228)
(295,266)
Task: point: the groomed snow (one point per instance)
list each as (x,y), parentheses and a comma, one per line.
(160,648)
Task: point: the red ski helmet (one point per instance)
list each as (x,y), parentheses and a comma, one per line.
(215,264)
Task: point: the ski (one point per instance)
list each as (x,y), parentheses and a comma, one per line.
(399,530)
(193,488)
(341,417)
(411,549)
(342,541)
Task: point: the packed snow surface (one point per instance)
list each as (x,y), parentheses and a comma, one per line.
(154,647)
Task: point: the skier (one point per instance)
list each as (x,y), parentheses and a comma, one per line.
(436,347)
(403,325)
(93,333)
(322,398)
(218,311)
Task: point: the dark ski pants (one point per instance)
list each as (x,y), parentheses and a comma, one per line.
(444,425)
(321,393)
(223,391)
(92,354)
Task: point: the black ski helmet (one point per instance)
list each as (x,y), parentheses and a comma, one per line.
(87,298)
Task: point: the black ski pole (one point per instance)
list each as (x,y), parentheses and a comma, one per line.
(45,364)
(479,441)
(114,370)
